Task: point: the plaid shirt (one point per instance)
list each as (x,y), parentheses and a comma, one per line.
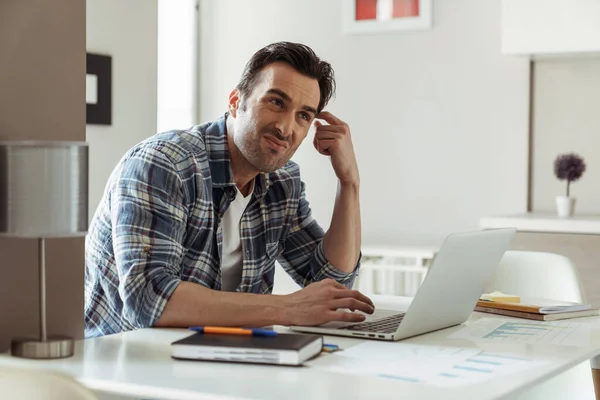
(159,223)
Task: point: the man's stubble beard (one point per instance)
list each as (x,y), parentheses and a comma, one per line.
(250,148)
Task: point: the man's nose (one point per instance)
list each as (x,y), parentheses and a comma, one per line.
(285,124)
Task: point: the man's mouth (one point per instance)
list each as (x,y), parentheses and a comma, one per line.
(274,143)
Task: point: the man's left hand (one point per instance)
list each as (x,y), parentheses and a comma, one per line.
(334,140)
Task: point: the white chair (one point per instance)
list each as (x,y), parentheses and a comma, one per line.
(30,384)
(551,276)
(537,274)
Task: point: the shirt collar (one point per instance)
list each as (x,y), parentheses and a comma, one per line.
(220,161)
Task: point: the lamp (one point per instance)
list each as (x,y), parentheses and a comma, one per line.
(43,194)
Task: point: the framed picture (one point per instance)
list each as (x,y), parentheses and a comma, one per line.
(98,89)
(374,16)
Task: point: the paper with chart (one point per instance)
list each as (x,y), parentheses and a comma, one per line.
(531,332)
(434,365)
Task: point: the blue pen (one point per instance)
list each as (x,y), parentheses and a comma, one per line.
(330,348)
(233,331)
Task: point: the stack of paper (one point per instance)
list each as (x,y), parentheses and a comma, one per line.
(537,309)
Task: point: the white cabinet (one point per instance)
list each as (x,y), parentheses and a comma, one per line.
(550,27)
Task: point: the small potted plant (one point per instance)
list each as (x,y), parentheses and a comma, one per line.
(568,167)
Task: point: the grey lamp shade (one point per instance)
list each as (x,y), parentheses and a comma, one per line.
(43,188)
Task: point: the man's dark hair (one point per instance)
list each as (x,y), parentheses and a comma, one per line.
(300,57)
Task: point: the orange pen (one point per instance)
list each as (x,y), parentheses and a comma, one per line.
(233,331)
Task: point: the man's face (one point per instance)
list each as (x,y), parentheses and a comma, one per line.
(271,122)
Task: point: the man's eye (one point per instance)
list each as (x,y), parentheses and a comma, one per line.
(305,116)
(277,102)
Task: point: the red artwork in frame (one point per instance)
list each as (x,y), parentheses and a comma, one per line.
(368,16)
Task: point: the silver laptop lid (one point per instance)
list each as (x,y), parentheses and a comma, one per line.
(462,268)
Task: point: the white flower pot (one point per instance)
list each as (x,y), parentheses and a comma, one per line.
(565,206)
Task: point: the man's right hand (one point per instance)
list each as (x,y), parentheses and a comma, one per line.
(318,303)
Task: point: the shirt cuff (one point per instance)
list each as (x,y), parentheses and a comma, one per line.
(327,270)
(157,293)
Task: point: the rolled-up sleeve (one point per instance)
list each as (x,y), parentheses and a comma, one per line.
(303,256)
(149,220)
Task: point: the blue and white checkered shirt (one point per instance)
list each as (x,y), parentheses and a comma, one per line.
(159,223)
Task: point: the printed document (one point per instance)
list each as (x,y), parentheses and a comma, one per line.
(433,365)
(526,331)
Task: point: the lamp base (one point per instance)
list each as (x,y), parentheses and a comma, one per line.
(53,347)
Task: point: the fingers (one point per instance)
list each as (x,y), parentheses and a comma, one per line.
(324,145)
(319,146)
(328,135)
(344,292)
(365,299)
(346,316)
(337,284)
(337,131)
(330,118)
(353,304)
(324,139)
(354,294)
(332,131)
(333,128)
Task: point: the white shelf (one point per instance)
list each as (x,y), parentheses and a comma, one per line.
(545,222)
(550,27)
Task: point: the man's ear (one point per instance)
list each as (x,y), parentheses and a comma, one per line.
(234,102)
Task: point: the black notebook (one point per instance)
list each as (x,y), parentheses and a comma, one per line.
(283,349)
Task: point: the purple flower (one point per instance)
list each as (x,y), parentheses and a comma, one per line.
(569,167)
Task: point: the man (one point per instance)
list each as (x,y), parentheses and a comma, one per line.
(192,222)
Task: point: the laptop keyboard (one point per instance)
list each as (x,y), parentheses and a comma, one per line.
(384,325)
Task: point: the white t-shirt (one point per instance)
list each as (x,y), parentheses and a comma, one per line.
(232,260)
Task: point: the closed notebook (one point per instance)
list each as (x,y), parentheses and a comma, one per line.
(283,349)
(538,316)
(537,306)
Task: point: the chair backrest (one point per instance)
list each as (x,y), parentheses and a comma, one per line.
(30,384)
(538,275)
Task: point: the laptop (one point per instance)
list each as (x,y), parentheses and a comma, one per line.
(457,277)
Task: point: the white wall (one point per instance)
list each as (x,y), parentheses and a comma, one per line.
(177,64)
(566,99)
(127,31)
(439,118)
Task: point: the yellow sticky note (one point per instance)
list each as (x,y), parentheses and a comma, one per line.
(500,297)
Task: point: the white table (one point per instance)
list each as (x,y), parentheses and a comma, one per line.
(138,364)
(545,222)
